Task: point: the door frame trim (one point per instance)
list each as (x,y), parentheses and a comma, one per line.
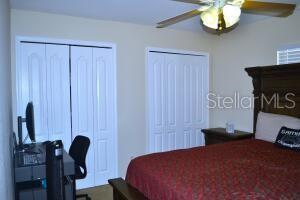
(16,77)
(147,87)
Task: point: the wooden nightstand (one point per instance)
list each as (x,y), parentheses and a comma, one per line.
(219,135)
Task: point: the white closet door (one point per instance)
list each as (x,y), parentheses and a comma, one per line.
(58,93)
(82,104)
(156,101)
(172,135)
(177,88)
(163,79)
(44,78)
(103,96)
(193,99)
(32,87)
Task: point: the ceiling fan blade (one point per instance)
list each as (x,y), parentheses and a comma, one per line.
(269,9)
(197,2)
(178,18)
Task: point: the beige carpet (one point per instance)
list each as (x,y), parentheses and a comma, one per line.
(104,192)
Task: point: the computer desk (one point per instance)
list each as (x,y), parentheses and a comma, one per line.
(28,179)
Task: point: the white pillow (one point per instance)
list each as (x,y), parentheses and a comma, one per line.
(268,125)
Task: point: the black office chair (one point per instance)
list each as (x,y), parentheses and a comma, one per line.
(78,152)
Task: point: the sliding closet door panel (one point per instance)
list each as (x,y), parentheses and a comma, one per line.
(103,101)
(187,102)
(156,101)
(172,130)
(199,115)
(195,88)
(82,104)
(201,89)
(32,87)
(58,93)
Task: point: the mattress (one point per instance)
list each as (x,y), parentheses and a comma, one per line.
(246,169)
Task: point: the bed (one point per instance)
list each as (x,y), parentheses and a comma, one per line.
(248,169)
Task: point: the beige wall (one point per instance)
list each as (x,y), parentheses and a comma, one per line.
(131,41)
(5,103)
(247,46)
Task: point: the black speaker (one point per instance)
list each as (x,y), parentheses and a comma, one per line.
(55,171)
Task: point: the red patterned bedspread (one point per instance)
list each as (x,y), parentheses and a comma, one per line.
(248,169)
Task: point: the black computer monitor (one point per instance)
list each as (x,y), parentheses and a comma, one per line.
(29,120)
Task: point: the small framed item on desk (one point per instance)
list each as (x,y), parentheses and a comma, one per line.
(219,135)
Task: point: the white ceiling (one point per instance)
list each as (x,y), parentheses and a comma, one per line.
(147,12)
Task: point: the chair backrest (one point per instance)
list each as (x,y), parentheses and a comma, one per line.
(78,151)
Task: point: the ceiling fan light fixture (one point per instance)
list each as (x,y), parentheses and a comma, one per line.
(222,16)
(231,15)
(210,18)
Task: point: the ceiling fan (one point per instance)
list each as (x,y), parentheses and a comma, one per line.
(219,16)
